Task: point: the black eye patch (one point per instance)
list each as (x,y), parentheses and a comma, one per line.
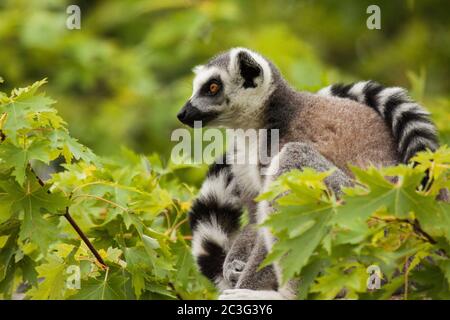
(206,88)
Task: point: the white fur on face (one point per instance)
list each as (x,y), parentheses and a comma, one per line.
(203,75)
(246,104)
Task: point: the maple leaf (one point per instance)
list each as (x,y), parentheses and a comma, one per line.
(19,158)
(54,280)
(111,287)
(33,202)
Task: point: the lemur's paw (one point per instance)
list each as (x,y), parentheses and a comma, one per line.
(246,294)
(233,270)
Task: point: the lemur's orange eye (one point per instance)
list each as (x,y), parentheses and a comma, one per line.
(213,88)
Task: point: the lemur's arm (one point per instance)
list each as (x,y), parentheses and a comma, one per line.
(215,220)
(249,286)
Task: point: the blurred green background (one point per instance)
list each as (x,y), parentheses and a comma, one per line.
(121,79)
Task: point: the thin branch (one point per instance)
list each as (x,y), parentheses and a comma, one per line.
(85,239)
(415,224)
(418,229)
(171,286)
(78,230)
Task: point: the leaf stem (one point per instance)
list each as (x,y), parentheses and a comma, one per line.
(101,199)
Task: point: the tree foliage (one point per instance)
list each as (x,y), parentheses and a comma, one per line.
(386,220)
(131,207)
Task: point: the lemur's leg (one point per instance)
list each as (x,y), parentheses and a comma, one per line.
(237,258)
(214,219)
(292,156)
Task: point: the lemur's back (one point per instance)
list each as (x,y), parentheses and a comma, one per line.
(344,131)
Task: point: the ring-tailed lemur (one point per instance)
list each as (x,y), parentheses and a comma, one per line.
(331,129)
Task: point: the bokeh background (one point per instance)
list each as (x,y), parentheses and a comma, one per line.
(121,79)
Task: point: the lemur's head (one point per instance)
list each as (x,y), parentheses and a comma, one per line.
(230,90)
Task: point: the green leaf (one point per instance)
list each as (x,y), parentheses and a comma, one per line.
(33,201)
(7,253)
(307,277)
(434,217)
(349,276)
(71,148)
(54,280)
(294,252)
(111,287)
(19,158)
(399,199)
(138,263)
(22,105)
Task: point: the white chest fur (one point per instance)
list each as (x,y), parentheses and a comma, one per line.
(243,155)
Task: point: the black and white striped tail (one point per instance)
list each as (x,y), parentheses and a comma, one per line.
(409,122)
(215,219)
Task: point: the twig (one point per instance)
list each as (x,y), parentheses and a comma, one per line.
(171,286)
(85,239)
(78,230)
(419,230)
(415,224)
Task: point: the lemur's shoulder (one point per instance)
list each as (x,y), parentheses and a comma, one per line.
(342,129)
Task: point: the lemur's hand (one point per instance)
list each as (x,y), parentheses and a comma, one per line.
(237,257)
(246,294)
(232,271)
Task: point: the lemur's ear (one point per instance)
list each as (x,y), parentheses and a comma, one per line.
(248,68)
